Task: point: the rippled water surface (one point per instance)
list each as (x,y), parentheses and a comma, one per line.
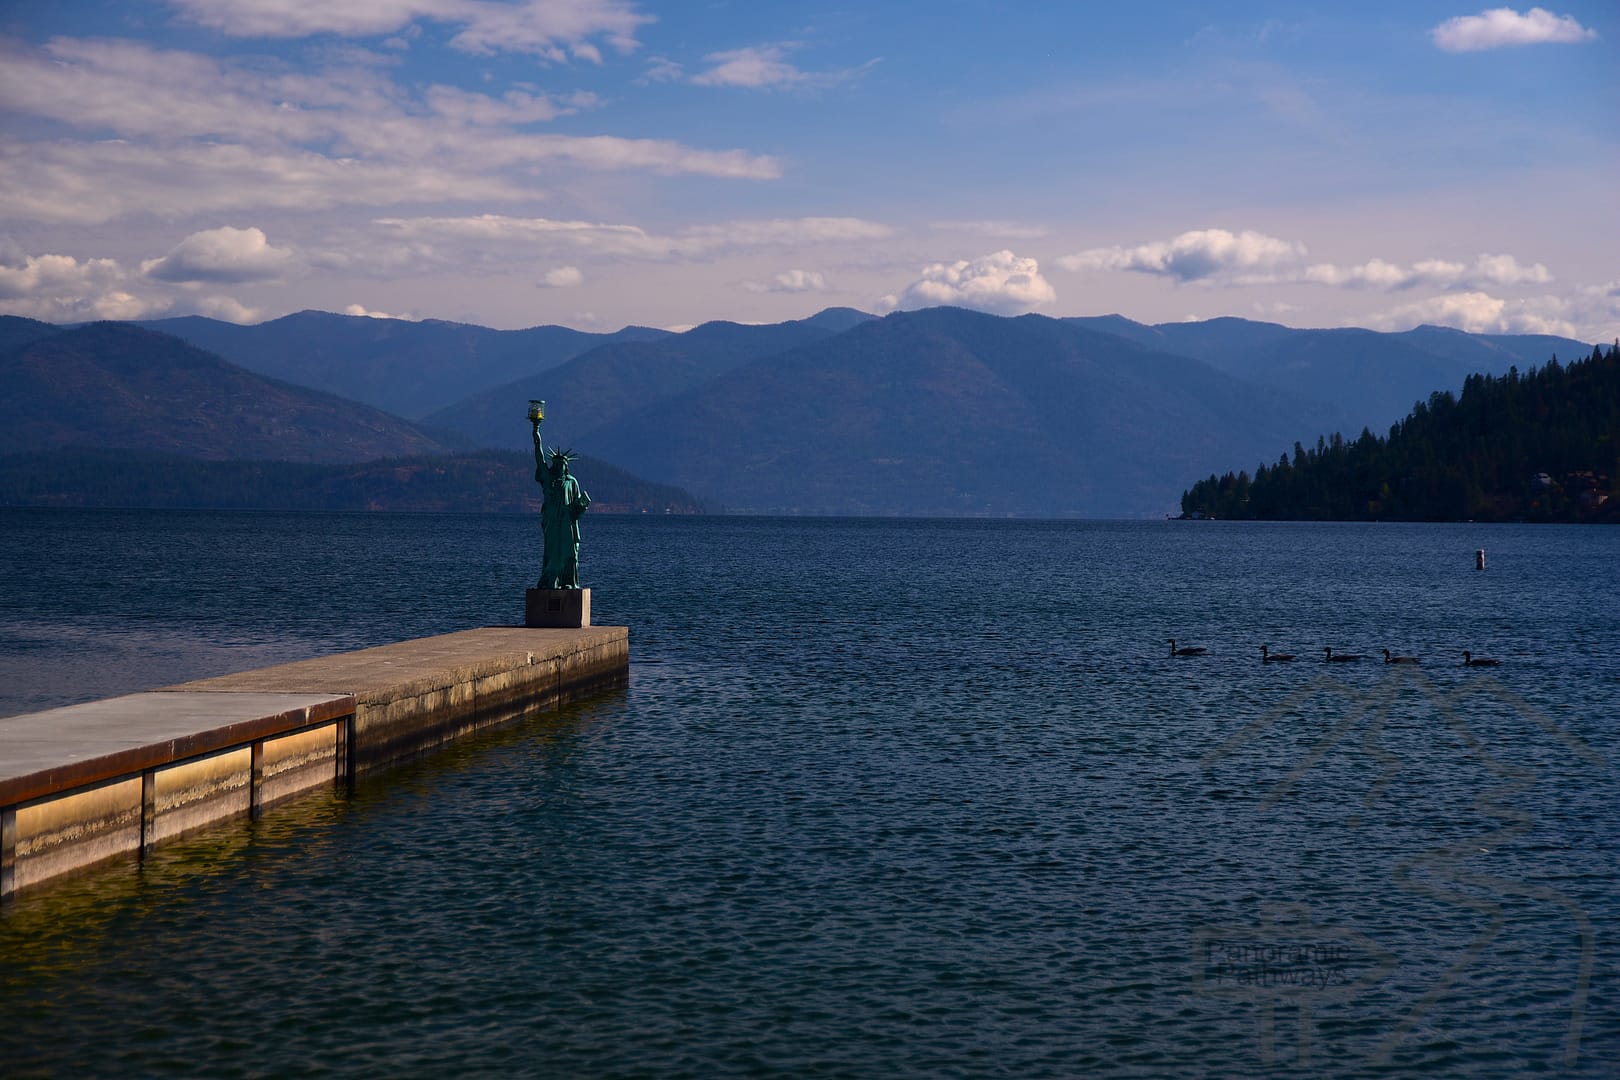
(882,799)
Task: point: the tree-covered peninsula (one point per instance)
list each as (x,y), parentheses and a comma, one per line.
(1543,445)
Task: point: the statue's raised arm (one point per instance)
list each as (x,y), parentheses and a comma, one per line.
(565,503)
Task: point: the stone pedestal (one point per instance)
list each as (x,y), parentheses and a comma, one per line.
(557,607)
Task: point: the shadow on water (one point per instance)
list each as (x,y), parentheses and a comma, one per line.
(97,929)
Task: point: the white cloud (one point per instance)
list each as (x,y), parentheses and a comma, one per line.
(121,305)
(189,134)
(661,69)
(1192,256)
(1505,270)
(513,107)
(1485,271)
(546,28)
(61,288)
(753,67)
(364,312)
(1011,230)
(790,281)
(533,232)
(1501,27)
(54,275)
(1000,283)
(776,231)
(563,277)
(225,254)
(1253,258)
(632,241)
(1480,313)
(228,309)
(1595,310)
(90,183)
(759,67)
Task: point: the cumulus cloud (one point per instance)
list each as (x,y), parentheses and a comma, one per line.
(1480,313)
(1001,284)
(221,255)
(547,28)
(563,277)
(39,275)
(1192,256)
(790,281)
(1253,258)
(1501,27)
(367,313)
(228,309)
(1485,271)
(62,288)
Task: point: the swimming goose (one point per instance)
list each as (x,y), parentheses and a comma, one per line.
(1342,658)
(1269,657)
(1188,651)
(1388,659)
(1470,660)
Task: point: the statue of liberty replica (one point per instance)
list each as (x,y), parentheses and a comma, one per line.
(565,504)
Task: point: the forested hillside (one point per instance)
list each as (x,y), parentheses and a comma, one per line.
(1538,446)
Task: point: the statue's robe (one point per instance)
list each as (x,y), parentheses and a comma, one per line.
(559,518)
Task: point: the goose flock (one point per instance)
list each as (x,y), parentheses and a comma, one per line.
(1331,657)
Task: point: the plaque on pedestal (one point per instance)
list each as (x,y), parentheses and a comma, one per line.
(557,607)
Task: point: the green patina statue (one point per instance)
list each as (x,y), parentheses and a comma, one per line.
(559,517)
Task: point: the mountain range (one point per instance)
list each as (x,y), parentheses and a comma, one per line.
(939,411)
(114,414)
(405,368)
(114,385)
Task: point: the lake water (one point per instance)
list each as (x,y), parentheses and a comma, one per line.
(883,798)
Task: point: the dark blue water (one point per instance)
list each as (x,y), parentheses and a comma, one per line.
(884,798)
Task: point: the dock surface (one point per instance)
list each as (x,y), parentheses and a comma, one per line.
(85,783)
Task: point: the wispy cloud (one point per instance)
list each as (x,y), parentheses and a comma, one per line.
(605,239)
(1502,27)
(551,29)
(767,67)
(759,66)
(192,134)
(1011,230)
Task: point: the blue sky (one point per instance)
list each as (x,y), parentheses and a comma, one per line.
(597,163)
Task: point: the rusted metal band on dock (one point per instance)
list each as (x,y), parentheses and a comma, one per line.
(90,782)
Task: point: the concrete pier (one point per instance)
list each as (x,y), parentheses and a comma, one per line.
(86,783)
